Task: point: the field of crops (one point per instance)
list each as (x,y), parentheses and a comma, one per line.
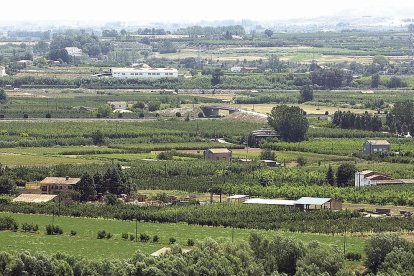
(85,243)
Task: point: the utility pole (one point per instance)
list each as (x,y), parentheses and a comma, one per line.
(136,229)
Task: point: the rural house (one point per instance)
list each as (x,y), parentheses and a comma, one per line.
(217,154)
(56,185)
(375,146)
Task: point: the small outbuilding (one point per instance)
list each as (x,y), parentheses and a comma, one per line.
(255,137)
(218,154)
(237,198)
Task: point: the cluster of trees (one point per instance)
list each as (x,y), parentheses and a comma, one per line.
(114,181)
(350,120)
(401,118)
(344,175)
(306,94)
(331,78)
(290,122)
(212,31)
(89,43)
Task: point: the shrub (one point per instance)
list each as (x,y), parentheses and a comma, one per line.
(301,161)
(48,115)
(143,237)
(108,236)
(124,236)
(101,234)
(29,227)
(141,115)
(8,223)
(379,246)
(53,230)
(178,114)
(200,115)
(172,240)
(352,256)
(73,233)
(25,116)
(190,242)
(155,238)
(131,237)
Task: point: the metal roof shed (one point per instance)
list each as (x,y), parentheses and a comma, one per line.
(280,202)
(304,203)
(313,200)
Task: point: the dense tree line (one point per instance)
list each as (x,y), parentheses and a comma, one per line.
(331,78)
(401,118)
(349,120)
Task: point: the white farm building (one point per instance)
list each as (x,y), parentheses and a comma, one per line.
(144,72)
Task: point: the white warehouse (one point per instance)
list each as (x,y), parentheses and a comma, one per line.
(144,72)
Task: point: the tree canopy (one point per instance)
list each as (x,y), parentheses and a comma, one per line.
(290,122)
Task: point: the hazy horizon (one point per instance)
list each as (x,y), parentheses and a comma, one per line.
(185,11)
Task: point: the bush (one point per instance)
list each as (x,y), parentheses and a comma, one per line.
(178,114)
(8,223)
(73,233)
(141,115)
(172,240)
(143,237)
(301,161)
(155,238)
(29,227)
(101,234)
(190,242)
(25,116)
(108,236)
(379,246)
(53,230)
(124,236)
(200,115)
(131,237)
(48,115)
(351,256)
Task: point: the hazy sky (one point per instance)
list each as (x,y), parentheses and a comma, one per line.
(193,10)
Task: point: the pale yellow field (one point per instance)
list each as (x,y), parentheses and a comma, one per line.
(310,109)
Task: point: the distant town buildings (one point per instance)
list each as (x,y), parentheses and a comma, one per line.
(144,72)
(375,146)
(239,69)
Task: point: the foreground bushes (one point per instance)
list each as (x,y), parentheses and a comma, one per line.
(208,257)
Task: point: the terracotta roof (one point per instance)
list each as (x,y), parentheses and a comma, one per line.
(379,142)
(219,150)
(60,181)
